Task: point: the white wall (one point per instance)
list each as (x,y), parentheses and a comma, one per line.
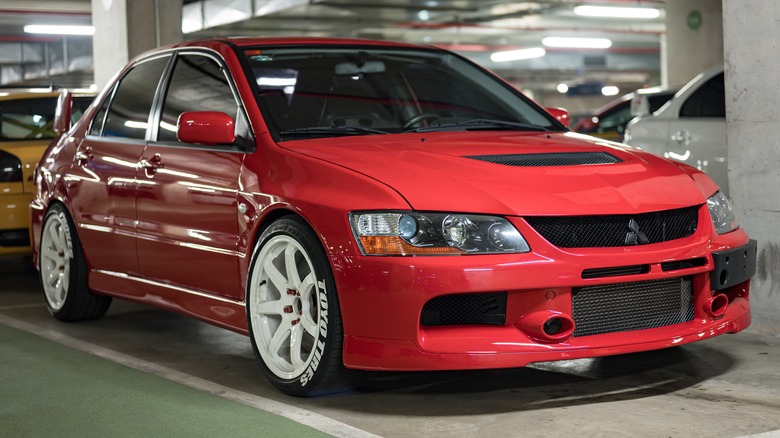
(687,52)
(751,49)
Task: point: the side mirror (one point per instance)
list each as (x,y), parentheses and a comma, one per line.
(206,127)
(560,115)
(63,112)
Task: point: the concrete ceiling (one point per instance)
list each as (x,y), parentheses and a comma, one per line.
(471,27)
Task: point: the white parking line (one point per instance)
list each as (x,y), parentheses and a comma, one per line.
(302,416)
(21,306)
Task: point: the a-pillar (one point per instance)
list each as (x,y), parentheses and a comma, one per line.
(126,28)
(752,42)
(694,39)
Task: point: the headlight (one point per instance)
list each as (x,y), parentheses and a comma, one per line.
(411,233)
(722,214)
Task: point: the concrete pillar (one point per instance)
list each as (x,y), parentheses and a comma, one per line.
(126,28)
(752,41)
(694,39)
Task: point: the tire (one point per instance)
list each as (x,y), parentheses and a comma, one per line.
(293,312)
(63,271)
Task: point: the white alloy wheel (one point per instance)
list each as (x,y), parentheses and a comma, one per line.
(56,254)
(285,309)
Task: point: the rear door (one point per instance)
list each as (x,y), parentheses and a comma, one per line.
(103,178)
(187,193)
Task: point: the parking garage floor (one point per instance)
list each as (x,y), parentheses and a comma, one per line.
(141,371)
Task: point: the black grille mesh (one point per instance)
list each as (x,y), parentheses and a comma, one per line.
(465,309)
(613,230)
(549,159)
(632,306)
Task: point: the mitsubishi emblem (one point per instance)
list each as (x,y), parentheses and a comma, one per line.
(634,236)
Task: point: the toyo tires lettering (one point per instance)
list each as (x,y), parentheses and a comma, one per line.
(323,333)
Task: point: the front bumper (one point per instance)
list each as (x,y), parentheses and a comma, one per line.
(382,300)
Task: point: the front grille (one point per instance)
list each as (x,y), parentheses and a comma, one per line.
(683,264)
(615,230)
(626,307)
(465,309)
(15,238)
(616,271)
(549,159)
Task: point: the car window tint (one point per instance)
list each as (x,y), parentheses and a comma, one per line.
(128,115)
(198,84)
(708,101)
(714,101)
(99,118)
(656,101)
(27,119)
(617,119)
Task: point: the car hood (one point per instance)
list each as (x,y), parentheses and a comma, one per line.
(438,172)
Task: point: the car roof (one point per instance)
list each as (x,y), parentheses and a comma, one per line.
(297,41)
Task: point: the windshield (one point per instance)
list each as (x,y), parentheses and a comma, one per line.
(319,91)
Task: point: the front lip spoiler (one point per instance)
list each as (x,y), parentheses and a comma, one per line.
(733,266)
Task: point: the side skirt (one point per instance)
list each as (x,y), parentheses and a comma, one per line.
(213,309)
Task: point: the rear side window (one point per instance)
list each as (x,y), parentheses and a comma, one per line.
(198,84)
(27,119)
(708,101)
(128,115)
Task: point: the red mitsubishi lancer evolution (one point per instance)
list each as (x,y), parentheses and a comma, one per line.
(365,205)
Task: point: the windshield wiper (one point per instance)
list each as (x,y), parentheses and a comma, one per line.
(318,131)
(476,124)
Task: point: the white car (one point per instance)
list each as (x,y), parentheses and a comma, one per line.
(691,127)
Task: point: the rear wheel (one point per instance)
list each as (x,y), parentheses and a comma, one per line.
(293,312)
(63,271)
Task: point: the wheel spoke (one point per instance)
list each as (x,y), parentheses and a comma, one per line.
(296,336)
(309,325)
(282,334)
(59,291)
(270,308)
(291,266)
(63,241)
(55,238)
(306,286)
(276,278)
(51,254)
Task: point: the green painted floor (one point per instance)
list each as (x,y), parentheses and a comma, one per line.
(47,389)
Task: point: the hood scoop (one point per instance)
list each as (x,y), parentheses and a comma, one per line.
(549,159)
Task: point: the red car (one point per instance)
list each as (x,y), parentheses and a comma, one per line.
(363,205)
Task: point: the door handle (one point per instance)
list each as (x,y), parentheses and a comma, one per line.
(84,155)
(682,136)
(152,164)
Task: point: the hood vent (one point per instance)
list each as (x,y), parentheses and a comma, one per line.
(549,159)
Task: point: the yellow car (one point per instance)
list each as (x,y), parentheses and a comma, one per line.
(26,128)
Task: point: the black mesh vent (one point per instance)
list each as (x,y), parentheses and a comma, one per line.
(549,159)
(614,272)
(632,306)
(683,264)
(614,230)
(465,309)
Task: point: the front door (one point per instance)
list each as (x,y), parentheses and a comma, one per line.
(187,197)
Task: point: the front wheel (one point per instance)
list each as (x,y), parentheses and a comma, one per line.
(293,312)
(63,271)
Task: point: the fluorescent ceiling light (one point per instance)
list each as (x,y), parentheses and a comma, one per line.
(577,43)
(616,12)
(562,88)
(59,30)
(610,90)
(516,55)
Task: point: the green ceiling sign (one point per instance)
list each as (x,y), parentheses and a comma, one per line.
(694,20)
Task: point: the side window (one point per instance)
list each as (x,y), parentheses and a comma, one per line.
(128,115)
(708,101)
(100,117)
(27,119)
(198,84)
